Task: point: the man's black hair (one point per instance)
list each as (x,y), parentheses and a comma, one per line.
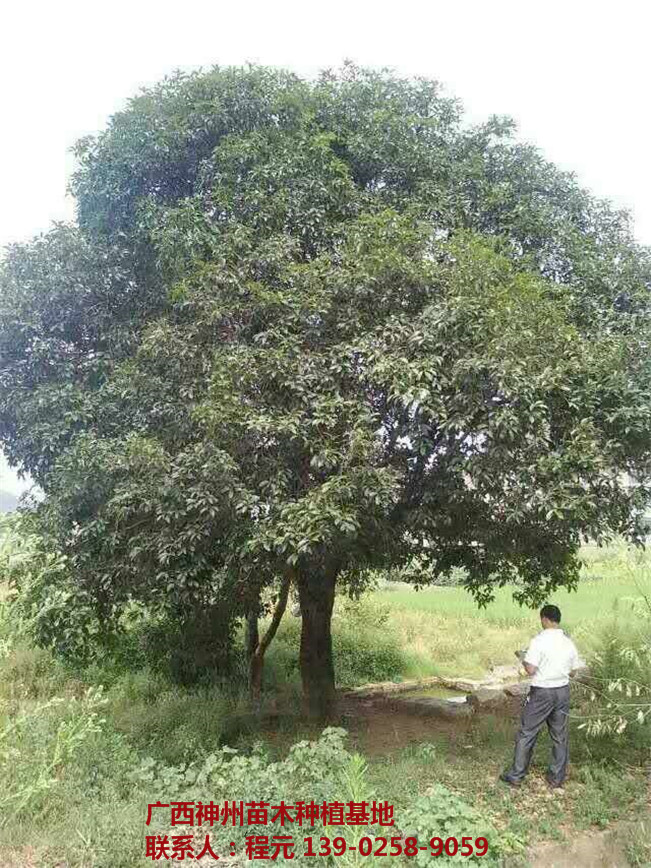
(552,613)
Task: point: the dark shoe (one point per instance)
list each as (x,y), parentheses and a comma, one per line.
(554,785)
(507,780)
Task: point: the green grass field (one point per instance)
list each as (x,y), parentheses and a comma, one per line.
(443,632)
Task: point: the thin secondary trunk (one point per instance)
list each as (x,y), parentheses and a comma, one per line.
(252,633)
(316,595)
(256,659)
(254,664)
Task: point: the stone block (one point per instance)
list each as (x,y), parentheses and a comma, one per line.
(486,696)
(518,689)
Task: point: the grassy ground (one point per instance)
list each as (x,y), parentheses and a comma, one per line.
(87,810)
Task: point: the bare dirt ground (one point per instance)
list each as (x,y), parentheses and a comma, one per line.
(380,726)
(588,850)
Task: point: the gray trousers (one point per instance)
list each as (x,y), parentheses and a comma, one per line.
(550,705)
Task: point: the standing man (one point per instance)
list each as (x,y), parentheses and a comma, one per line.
(550,658)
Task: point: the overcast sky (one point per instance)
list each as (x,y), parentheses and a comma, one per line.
(574,75)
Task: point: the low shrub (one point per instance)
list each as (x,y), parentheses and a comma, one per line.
(442,814)
(363,656)
(191,648)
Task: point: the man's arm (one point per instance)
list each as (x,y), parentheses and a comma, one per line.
(531,659)
(577,664)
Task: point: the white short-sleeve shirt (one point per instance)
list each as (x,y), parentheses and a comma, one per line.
(555,655)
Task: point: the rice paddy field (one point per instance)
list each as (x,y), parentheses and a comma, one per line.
(442,632)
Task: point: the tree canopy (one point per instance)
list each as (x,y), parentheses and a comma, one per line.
(302,329)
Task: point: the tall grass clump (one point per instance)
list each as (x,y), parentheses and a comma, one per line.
(38,745)
(617,696)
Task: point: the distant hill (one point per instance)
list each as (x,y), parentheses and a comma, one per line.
(8,501)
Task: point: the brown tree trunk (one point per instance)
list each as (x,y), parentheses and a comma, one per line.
(316,594)
(256,665)
(257,650)
(255,662)
(252,634)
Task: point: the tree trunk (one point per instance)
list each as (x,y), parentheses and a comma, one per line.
(257,647)
(255,661)
(316,594)
(252,635)
(256,665)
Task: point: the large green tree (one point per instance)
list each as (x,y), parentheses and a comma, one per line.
(302,329)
